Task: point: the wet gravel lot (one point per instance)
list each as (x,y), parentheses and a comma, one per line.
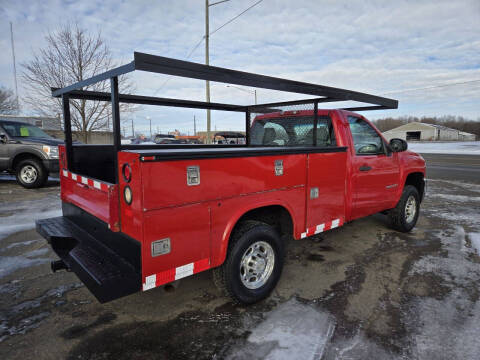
(359,292)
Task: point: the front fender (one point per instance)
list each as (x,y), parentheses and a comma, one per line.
(22,150)
(410,162)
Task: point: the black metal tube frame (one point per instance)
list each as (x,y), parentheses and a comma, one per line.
(168,66)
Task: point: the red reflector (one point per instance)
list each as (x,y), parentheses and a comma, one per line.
(127,172)
(148,158)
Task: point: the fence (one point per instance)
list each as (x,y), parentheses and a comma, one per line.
(93,137)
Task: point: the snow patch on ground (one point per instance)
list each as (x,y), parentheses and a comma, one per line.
(292,331)
(475,241)
(457,198)
(456,330)
(454,334)
(358,347)
(22,243)
(10,264)
(21,216)
(452,147)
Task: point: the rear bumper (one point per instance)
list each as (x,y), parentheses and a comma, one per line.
(88,248)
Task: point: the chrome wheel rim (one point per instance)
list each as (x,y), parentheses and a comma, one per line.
(28,174)
(410,209)
(257,264)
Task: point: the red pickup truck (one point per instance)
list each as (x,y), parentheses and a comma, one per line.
(137,217)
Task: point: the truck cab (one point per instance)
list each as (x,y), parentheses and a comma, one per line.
(139,217)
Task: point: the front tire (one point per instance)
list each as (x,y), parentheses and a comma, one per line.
(254,263)
(405,215)
(31,173)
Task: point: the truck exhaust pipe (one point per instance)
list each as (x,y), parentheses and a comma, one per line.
(58,265)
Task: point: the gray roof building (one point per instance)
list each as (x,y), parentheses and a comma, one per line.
(427,132)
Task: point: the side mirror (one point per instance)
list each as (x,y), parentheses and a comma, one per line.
(398,145)
(3,138)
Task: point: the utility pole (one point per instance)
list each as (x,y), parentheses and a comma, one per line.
(14,64)
(194,126)
(133,129)
(150,119)
(207,62)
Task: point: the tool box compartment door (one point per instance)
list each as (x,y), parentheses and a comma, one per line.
(176,244)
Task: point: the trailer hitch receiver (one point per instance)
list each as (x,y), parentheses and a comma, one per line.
(58,265)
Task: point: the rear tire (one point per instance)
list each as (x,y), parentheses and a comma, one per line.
(405,215)
(253,265)
(31,173)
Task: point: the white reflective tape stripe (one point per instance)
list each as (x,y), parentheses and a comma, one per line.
(65,173)
(335,223)
(84,180)
(303,236)
(150,282)
(319,228)
(97,185)
(74,176)
(183,271)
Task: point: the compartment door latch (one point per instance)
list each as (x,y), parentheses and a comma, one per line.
(193,175)
(278,167)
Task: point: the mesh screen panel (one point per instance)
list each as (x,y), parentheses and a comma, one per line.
(291,125)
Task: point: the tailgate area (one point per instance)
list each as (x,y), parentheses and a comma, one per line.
(107,263)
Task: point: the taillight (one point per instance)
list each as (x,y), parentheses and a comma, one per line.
(127,172)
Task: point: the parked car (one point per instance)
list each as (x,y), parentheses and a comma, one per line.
(28,152)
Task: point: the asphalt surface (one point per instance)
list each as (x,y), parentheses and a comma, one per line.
(446,166)
(361,291)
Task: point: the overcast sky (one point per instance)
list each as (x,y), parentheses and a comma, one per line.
(379,47)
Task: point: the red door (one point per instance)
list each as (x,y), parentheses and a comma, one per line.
(375,173)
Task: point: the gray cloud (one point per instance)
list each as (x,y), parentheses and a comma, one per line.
(372,46)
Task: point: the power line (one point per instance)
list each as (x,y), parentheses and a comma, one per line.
(203,38)
(235,17)
(188,57)
(431,87)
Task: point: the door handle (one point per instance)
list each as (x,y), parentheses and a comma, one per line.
(365,168)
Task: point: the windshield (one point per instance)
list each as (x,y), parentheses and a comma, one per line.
(14,129)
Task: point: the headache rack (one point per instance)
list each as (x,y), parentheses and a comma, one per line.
(168,66)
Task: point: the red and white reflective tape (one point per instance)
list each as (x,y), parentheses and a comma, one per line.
(168,276)
(86,181)
(322,227)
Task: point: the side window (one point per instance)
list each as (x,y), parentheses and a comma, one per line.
(365,139)
(325,132)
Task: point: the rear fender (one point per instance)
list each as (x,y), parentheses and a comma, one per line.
(219,253)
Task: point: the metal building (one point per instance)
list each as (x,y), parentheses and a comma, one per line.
(427,132)
(464,136)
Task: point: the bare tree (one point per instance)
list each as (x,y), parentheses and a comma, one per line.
(8,102)
(72,55)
